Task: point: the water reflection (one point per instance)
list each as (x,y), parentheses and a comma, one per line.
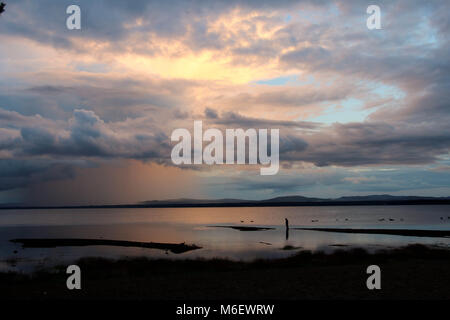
(199,226)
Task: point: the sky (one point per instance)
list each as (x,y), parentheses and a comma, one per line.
(86,115)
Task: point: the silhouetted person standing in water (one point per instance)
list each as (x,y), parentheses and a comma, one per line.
(287,228)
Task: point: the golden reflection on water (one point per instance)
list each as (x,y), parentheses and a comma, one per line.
(206,227)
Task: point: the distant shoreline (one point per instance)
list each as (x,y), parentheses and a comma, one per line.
(263,203)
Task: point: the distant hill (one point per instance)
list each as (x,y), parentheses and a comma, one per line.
(196,201)
(382,197)
(300,200)
(284,201)
(294,199)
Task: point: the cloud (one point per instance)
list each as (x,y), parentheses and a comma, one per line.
(307,57)
(234,119)
(21,173)
(115,22)
(357,144)
(85,134)
(117,88)
(211,113)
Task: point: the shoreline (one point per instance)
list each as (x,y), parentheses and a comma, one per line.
(244,204)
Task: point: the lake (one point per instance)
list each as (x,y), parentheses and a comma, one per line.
(207,228)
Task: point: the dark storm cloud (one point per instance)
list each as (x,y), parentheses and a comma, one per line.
(20,173)
(87,135)
(44,21)
(289,97)
(112,98)
(353,144)
(234,119)
(9,139)
(211,113)
(357,144)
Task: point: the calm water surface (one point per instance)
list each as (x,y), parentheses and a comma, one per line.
(195,226)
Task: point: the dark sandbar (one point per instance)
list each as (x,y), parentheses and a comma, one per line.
(397,232)
(289,247)
(52,243)
(242,228)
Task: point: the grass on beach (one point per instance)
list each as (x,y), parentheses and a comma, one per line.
(412,272)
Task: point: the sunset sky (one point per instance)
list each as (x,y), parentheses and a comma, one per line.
(86,115)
